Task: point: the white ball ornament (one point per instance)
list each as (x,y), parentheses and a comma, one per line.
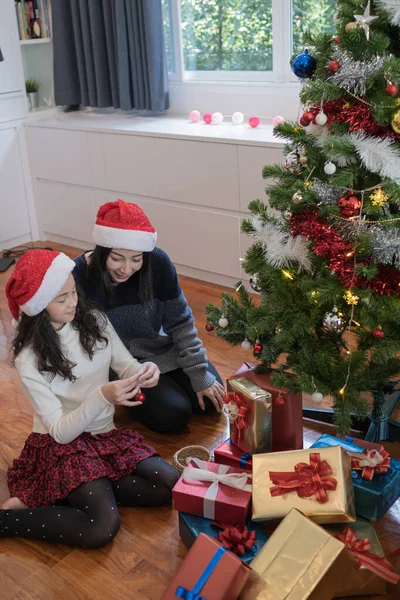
(316,397)
(330,168)
(237,118)
(217,118)
(223,322)
(245,345)
(336,18)
(321,119)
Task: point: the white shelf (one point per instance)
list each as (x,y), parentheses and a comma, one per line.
(37,41)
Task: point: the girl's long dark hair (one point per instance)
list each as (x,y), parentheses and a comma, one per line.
(39,333)
(142,279)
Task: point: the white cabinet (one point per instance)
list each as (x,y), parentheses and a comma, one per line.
(14,219)
(11,74)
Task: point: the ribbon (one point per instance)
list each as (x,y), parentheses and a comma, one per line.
(201,473)
(373,562)
(370,462)
(306,479)
(236,538)
(237,411)
(244,458)
(194,594)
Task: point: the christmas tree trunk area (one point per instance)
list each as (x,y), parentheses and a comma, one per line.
(325,256)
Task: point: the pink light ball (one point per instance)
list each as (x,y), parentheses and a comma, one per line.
(217,118)
(278,120)
(195,116)
(254,122)
(207,118)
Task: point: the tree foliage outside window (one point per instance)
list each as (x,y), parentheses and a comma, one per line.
(236,35)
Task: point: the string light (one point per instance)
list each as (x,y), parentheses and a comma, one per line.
(287,274)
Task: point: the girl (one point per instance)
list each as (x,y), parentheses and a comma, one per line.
(63,352)
(137,285)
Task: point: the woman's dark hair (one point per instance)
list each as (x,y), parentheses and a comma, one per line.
(142,279)
(40,334)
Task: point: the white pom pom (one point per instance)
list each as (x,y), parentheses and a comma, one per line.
(316,397)
(217,118)
(237,118)
(223,322)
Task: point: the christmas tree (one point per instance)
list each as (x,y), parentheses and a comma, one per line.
(326,251)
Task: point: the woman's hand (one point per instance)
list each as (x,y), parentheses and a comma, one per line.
(215,393)
(149,375)
(120,392)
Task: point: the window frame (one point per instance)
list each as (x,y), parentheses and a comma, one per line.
(281,52)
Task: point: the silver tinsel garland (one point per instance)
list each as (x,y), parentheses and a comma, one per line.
(327,194)
(353,74)
(349,229)
(386,246)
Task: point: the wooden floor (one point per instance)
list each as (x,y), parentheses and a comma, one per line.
(140,561)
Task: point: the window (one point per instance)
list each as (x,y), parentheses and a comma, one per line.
(239,40)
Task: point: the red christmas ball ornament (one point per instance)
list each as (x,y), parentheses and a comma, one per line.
(349,206)
(209,327)
(391,89)
(140,397)
(378,333)
(280,400)
(207,118)
(306,118)
(336,40)
(258,348)
(333,66)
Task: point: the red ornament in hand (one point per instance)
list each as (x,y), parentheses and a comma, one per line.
(333,66)
(140,397)
(349,206)
(391,89)
(209,327)
(258,348)
(378,333)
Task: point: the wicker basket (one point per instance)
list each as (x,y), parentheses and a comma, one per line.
(180,458)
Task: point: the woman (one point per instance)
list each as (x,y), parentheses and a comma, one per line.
(137,286)
(63,352)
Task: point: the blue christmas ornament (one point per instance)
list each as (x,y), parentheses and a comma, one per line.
(304,65)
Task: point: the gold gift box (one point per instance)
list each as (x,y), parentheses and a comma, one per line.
(340,505)
(258,435)
(362,581)
(300,561)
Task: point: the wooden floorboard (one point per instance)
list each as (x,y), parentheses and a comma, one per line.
(139,563)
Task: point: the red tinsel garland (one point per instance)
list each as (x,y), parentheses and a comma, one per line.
(340,254)
(357,116)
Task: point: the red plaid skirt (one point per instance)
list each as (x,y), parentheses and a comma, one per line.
(47,471)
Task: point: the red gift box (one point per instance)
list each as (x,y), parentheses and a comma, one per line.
(208,572)
(213,491)
(229,454)
(287,410)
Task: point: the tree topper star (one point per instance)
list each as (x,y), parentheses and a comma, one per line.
(366,19)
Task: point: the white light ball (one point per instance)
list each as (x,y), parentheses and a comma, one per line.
(316,397)
(223,322)
(330,168)
(245,345)
(237,118)
(217,118)
(321,119)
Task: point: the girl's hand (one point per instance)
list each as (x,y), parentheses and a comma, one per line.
(120,392)
(149,375)
(215,393)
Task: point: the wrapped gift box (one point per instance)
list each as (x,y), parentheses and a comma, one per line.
(232,536)
(300,561)
(250,415)
(209,572)
(287,409)
(372,498)
(316,482)
(362,581)
(213,491)
(229,454)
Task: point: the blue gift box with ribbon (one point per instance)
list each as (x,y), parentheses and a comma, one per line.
(191,526)
(209,572)
(373,498)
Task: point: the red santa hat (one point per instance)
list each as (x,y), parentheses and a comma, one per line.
(36,281)
(124,226)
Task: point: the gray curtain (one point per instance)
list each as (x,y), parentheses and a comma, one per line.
(110,53)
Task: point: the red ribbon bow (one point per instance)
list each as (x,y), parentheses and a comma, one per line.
(307,480)
(236,538)
(240,420)
(374,463)
(373,562)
